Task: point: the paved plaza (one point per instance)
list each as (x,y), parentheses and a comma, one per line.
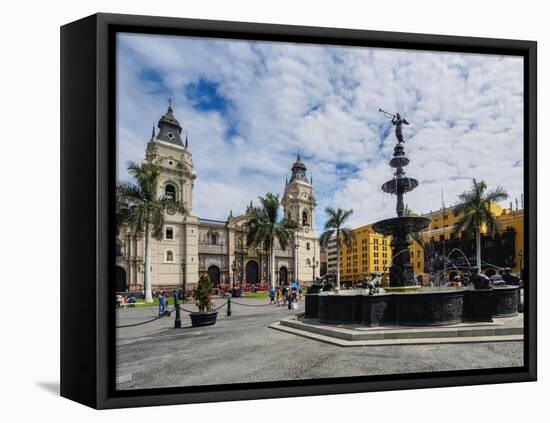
(242,348)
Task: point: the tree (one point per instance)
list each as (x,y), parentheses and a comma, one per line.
(335,225)
(475,205)
(204,293)
(264,228)
(145,210)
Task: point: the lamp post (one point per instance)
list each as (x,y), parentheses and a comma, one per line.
(183,266)
(296,261)
(233,268)
(313,264)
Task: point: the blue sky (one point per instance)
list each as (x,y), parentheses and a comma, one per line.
(249,107)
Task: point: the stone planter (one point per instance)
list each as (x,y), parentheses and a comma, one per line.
(206,318)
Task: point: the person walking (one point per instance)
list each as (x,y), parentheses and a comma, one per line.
(272,295)
(162,304)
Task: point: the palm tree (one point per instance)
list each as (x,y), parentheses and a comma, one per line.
(264,228)
(475,204)
(145,210)
(335,225)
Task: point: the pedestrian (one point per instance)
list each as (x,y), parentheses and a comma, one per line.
(289,299)
(162,304)
(132,300)
(118,300)
(272,295)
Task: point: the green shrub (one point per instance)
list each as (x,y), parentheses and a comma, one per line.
(204,293)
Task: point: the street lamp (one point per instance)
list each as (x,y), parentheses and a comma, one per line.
(233,268)
(313,264)
(296,261)
(183,266)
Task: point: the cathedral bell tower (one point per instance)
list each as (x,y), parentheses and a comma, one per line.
(177,252)
(299,205)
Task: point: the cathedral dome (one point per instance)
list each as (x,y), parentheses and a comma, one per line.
(298,170)
(169,127)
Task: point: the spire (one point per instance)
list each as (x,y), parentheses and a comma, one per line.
(298,170)
(153,132)
(286,180)
(169,127)
(311,179)
(186,140)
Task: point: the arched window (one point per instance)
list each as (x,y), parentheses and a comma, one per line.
(304,218)
(170,192)
(169,256)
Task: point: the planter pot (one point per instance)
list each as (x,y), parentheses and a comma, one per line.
(206,318)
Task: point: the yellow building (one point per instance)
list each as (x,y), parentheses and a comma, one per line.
(370,252)
(497,252)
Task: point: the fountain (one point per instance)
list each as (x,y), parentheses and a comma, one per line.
(404,302)
(400,227)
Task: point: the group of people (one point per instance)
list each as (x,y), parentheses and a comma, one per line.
(125,301)
(287,295)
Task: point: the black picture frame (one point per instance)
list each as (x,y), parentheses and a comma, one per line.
(87,205)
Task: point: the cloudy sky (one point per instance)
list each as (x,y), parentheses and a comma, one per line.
(249,107)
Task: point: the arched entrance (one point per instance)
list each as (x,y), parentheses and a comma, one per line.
(283,276)
(252,272)
(120,279)
(214,273)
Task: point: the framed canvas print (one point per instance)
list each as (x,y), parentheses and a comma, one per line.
(259,211)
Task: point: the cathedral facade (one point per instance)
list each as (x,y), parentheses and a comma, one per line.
(192,245)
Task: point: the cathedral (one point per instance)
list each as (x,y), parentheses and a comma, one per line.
(192,244)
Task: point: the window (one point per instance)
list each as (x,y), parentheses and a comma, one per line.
(442,237)
(169,256)
(304,218)
(307,246)
(169,232)
(170,192)
(214,238)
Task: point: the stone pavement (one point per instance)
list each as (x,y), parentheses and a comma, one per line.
(242,348)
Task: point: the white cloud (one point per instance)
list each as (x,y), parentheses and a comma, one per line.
(466,114)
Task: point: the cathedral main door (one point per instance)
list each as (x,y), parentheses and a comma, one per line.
(252,272)
(214,273)
(120,279)
(283,276)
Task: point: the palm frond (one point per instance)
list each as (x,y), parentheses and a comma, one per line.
(347,236)
(326,236)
